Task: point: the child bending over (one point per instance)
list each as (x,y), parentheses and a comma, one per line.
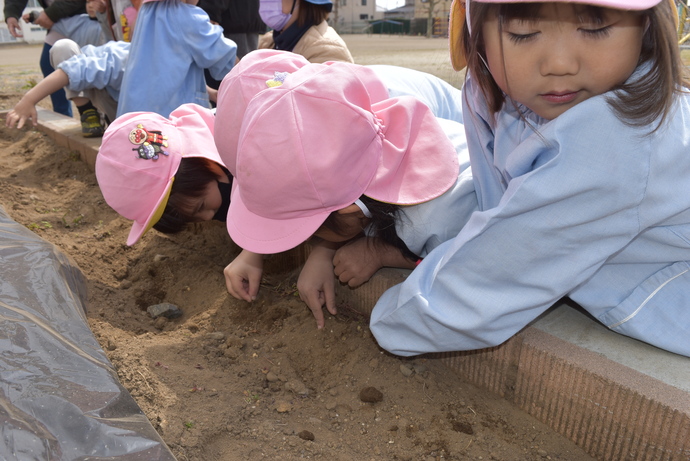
(163,172)
(327,153)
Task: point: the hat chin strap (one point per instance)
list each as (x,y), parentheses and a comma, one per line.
(363,207)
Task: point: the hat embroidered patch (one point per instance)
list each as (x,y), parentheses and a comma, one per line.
(277,80)
(151,143)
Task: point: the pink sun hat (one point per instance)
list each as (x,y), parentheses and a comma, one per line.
(139,157)
(257,71)
(246,79)
(316,143)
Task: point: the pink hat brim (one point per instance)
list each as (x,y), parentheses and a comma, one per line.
(267,236)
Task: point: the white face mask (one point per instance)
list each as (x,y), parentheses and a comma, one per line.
(271,12)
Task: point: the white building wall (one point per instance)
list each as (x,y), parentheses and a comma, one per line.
(353,16)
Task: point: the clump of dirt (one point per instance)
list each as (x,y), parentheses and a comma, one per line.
(228,380)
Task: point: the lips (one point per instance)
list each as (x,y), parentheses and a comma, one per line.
(560,97)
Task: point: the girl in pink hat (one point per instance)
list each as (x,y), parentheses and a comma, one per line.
(163,172)
(325,153)
(576,116)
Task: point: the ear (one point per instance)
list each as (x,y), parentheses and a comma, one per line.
(350,209)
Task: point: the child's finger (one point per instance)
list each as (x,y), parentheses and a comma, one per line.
(252,287)
(315,302)
(236,287)
(329,295)
(10,119)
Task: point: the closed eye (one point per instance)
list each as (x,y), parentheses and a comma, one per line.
(598,32)
(517,38)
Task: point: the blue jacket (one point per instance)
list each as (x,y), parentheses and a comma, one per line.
(588,207)
(173,43)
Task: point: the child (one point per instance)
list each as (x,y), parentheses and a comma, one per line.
(172,44)
(576,119)
(301,26)
(53,12)
(96,76)
(91,76)
(163,172)
(327,151)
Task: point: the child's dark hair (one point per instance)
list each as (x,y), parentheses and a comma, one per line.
(639,103)
(311,13)
(191,179)
(383,218)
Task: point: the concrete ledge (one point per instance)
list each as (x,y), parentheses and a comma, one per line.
(616,397)
(66,132)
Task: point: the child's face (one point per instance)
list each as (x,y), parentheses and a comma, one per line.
(351,225)
(552,63)
(205,207)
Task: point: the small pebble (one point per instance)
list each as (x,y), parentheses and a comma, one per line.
(305,435)
(370,395)
(166,310)
(406,371)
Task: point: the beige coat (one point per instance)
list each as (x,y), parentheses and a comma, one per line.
(319,44)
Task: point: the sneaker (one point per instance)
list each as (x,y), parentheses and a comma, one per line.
(91,126)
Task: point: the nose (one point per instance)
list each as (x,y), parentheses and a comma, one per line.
(205,215)
(560,57)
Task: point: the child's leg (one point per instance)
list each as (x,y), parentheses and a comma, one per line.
(60,102)
(104,103)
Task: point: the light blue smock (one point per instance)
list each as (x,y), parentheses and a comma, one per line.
(172,44)
(101,67)
(588,207)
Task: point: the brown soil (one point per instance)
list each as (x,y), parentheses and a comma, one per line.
(235,381)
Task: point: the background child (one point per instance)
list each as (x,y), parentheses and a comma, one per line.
(162,172)
(52,12)
(349,163)
(172,44)
(301,26)
(576,119)
(92,77)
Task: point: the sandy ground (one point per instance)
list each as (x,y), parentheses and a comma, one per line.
(235,381)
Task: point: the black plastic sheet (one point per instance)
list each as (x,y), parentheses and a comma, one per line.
(60,398)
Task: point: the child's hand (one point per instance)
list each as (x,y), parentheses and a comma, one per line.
(95,6)
(316,283)
(243,275)
(22,112)
(355,262)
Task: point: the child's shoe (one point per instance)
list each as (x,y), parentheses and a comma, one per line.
(91,126)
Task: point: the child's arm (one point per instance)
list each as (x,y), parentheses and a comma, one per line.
(357,261)
(316,282)
(212,94)
(243,275)
(26,107)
